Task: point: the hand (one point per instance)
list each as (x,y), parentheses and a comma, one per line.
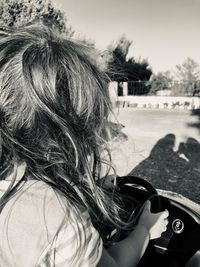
(155,223)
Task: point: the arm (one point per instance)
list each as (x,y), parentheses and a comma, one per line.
(128,252)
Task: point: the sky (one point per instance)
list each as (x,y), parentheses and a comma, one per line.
(165,32)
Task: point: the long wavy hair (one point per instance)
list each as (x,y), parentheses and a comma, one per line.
(54,108)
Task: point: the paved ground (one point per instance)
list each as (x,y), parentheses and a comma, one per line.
(163,146)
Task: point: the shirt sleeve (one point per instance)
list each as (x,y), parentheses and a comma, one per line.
(77,243)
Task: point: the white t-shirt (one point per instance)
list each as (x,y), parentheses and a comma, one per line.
(39,227)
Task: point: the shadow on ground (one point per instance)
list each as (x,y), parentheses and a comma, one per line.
(178,171)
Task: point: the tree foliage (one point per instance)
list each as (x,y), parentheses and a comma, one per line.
(160,81)
(188,71)
(120,50)
(137,70)
(189,75)
(16,13)
(121,68)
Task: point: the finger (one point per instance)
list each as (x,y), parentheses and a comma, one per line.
(165,214)
(165,229)
(166,221)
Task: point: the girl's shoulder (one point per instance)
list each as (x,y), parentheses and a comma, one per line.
(48,229)
(36,198)
(34,204)
(31,219)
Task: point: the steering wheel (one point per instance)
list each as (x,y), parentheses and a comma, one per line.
(171,248)
(126,185)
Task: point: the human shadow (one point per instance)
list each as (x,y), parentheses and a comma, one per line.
(177,171)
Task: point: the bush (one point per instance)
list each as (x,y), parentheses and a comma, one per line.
(14,14)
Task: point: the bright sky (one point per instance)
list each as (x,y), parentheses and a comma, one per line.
(165,32)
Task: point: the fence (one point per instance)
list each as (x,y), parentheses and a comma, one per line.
(162,98)
(161,88)
(158,102)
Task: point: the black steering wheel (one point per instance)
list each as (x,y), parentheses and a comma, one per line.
(126,184)
(127,187)
(171,249)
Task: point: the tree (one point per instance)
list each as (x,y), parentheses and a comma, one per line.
(137,70)
(124,69)
(121,68)
(120,50)
(16,13)
(160,81)
(115,56)
(188,73)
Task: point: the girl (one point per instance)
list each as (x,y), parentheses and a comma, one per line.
(54,108)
